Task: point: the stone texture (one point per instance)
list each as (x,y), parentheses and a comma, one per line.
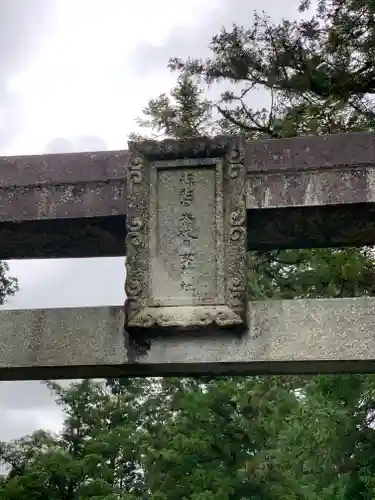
(298,192)
(301,188)
(63,198)
(333,171)
(72,337)
(310,192)
(66,201)
(284,336)
(283,172)
(186,234)
(185,239)
(62,186)
(315,170)
(66,168)
(291,336)
(351,149)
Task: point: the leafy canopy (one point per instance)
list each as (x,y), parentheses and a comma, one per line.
(244,438)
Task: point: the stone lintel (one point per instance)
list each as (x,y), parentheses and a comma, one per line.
(57,338)
(63,205)
(62,186)
(186,235)
(303,171)
(311,171)
(325,184)
(291,336)
(288,336)
(63,201)
(62,168)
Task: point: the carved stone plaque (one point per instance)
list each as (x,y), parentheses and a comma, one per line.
(186,235)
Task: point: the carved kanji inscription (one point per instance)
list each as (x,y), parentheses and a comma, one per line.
(186,238)
(186,242)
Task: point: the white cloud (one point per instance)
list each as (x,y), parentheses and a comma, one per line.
(17,423)
(84,82)
(67,283)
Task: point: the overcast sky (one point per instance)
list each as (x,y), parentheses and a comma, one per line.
(74,75)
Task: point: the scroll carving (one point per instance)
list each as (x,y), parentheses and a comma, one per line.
(186,234)
(135,169)
(238,216)
(137,261)
(186,318)
(236,254)
(133,287)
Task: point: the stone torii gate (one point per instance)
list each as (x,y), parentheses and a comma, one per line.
(189,211)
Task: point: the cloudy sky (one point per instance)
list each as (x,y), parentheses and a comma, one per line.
(74,75)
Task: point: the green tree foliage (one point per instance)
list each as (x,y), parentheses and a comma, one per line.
(94,457)
(8,284)
(314,71)
(245,438)
(319,71)
(211,439)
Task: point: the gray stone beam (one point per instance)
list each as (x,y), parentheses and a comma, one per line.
(63,205)
(303,171)
(62,186)
(316,191)
(311,171)
(43,343)
(292,336)
(322,187)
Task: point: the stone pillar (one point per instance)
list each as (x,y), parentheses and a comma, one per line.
(186,235)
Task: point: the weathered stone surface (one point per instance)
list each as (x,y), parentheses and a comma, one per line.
(65,201)
(66,168)
(315,170)
(186,245)
(50,338)
(184,239)
(331,171)
(291,336)
(284,336)
(186,235)
(63,205)
(62,186)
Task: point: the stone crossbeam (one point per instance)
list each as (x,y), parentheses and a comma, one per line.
(302,171)
(290,336)
(63,205)
(62,186)
(313,184)
(334,169)
(36,342)
(185,213)
(323,187)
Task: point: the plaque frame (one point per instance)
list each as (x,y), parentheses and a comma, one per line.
(229,309)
